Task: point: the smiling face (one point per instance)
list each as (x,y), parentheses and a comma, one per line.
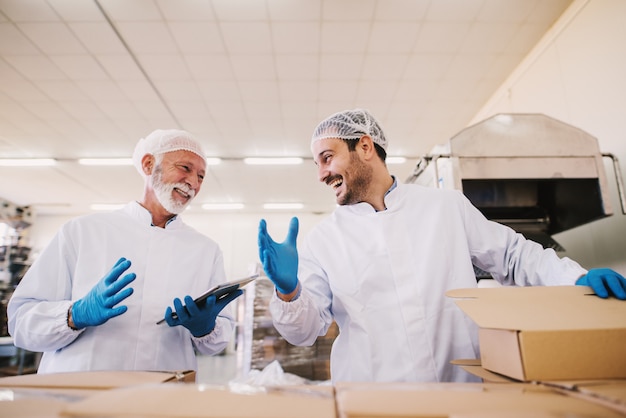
(177,178)
(343,170)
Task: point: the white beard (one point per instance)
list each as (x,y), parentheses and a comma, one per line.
(163,192)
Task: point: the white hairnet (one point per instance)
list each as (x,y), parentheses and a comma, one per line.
(165,140)
(350,124)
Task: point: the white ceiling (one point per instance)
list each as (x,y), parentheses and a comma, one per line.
(88,78)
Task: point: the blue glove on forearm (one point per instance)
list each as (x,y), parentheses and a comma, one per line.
(280,261)
(97,306)
(604,282)
(199,320)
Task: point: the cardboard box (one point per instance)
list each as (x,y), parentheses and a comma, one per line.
(46,395)
(190,401)
(544,333)
(97,380)
(408,400)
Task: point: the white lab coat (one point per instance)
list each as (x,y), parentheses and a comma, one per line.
(170,262)
(383,275)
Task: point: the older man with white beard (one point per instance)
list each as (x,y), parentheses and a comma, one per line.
(69,303)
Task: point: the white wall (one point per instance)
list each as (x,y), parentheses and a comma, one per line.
(577,74)
(235,233)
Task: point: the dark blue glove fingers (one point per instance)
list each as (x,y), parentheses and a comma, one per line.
(222,302)
(199,320)
(171,321)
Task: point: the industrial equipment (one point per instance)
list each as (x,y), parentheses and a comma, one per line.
(536,174)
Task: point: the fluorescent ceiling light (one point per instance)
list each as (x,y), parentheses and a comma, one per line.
(222,206)
(395,160)
(273,160)
(283,206)
(105,161)
(107,206)
(213,160)
(27,162)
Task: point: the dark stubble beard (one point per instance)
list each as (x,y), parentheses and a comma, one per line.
(356,181)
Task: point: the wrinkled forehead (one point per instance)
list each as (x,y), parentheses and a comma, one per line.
(185,157)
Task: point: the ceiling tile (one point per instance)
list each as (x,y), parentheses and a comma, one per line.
(240,10)
(254,67)
(148,37)
(35,67)
(61,90)
(77,11)
(294,10)
(164,67)
(52,38)
(296,37)
(344,37)
(401,10)
(186,10)
(215,67)
(347,10)
(441,37)
(100,90)
(297,91)
(12,41)
(22,90)
(297,67)
(28,11)
(219,91)
(98,37)
(384,67)
(453,10)
(393,37)
(340,66)
(178,90)
(256,91)
(135,10)
(139,90)
(512,11)
(247,38)
(121,67)
(197,37)
(79,67)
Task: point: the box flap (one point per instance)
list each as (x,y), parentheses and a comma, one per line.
(91,379)
(540,308)
(456,399)
(191,401)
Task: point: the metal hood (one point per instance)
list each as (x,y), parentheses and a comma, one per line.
(536,174)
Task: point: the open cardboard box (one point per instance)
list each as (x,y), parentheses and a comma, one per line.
(542,333)
(439,400)
(190,401)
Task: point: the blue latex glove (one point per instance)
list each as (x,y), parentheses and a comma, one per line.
(280,261)
(98,306)
(605,282)
(200,318)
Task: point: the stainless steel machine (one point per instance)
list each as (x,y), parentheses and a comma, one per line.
(536,174)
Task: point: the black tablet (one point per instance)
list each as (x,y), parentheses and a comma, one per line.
(220,291)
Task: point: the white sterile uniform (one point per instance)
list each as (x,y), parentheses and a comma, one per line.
(383,275)
(169,262)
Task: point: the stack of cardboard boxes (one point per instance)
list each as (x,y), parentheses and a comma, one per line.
(545,352)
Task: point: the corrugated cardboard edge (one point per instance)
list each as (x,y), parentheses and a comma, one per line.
(96,379)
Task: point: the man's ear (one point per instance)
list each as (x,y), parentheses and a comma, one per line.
(147,164)
(366,144)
